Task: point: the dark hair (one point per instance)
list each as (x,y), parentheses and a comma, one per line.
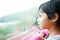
(51,7)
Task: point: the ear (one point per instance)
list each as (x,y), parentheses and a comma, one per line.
(55,17)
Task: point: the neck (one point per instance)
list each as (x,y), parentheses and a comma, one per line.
(53,31)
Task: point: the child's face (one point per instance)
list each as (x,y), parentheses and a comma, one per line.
(43,20)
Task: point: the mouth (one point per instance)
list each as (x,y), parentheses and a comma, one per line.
(38,24)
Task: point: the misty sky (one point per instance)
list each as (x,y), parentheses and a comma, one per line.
(12,6)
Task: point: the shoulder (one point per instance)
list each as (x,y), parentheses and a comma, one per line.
(54,38)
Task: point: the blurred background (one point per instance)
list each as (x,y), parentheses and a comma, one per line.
(18,15)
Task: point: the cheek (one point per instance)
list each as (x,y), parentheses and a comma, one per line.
(46,25)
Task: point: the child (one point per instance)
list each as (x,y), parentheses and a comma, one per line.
(49,18)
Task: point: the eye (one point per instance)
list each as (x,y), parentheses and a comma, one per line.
(39,15)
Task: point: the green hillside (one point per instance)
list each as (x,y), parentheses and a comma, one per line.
(18,21)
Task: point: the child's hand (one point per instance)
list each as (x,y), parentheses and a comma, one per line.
(38,37)
(41,35)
